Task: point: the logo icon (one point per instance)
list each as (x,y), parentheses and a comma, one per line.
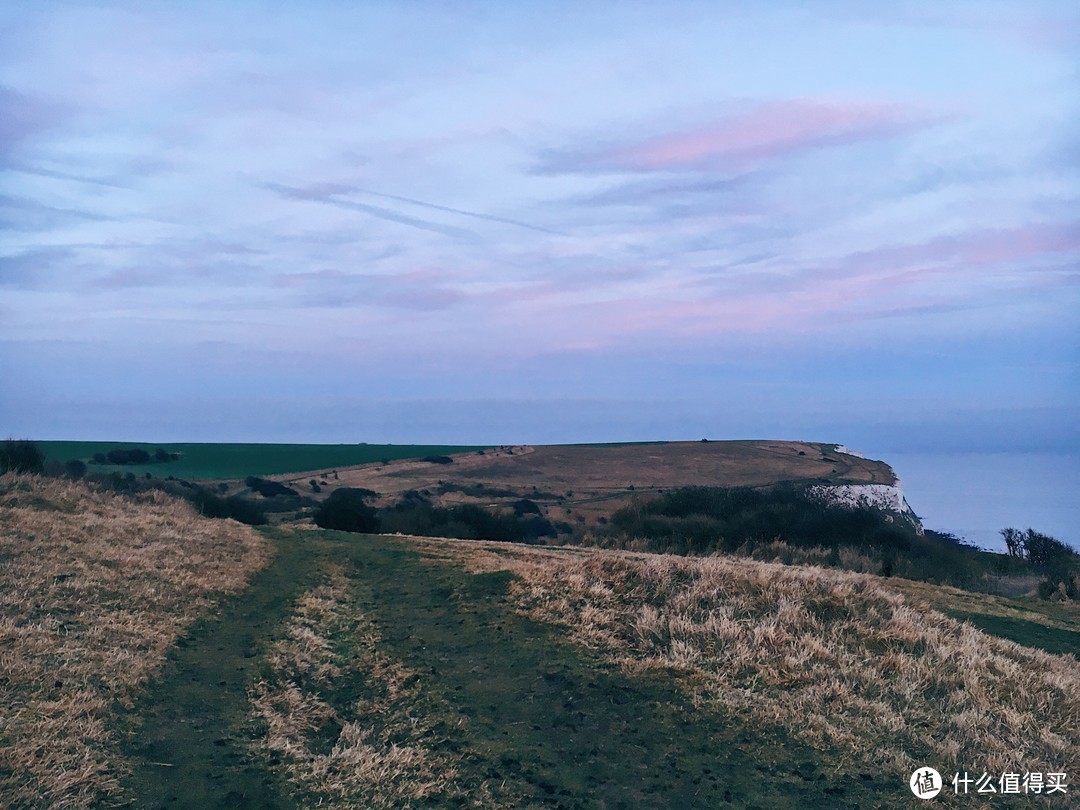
(925,783)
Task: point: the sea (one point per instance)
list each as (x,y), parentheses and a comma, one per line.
(975,495)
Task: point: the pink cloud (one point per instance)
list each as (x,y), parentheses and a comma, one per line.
(965,250)
(944,273)
(769,130)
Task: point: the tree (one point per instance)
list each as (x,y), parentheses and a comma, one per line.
(1047,552)
(21,456)
(1014,541)
(1041,550)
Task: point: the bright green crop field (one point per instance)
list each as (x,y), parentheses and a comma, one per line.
(215,461)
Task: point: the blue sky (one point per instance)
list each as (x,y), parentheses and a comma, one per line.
(534,222)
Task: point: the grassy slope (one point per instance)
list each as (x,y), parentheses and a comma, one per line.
(546,723)
(1032,622)
(94,589)
(217,461)
(532,678)
(526,716)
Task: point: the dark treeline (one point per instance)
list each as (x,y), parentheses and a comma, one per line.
(135,455)
(741,520)
(704,520)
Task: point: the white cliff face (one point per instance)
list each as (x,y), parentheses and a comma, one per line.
(886,497)
(855,496)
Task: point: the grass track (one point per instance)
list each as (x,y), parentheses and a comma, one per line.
(188,735)
(546,720)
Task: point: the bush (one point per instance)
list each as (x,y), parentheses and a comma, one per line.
(268,489)
(21,456)
(707,520)
(99,458)
(526,507)
(438,459)
(237,508)
(74,469)
(134,455)
(415,514)
(347,510)
(1049,556)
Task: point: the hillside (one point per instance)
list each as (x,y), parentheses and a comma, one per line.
(578,485)
(379,671)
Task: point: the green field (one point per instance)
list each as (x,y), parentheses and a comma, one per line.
(217,461)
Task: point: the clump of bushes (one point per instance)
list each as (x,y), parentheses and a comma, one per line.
(438,459)
(267,488)
(134,455)
(236,507)
(703,520)
(707,520)
(1056,560)
(74,469)
(21,455)
(415,514)
(347,510)
(526,507)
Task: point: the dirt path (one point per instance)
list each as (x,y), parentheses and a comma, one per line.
(558,727)
(566,730)
(189,734)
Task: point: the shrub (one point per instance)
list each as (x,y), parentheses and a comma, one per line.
(21,456)
(706,520)
(415,514)
(1048,555)
(237,508)
(268,489)
(99,458)
(526,507)
(438,459)
(74,469)
(135,455)
(347,510)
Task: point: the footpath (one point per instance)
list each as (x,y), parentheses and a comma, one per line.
(546,720)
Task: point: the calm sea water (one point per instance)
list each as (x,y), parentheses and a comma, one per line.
(975,495)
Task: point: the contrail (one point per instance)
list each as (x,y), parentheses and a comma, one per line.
(473,214)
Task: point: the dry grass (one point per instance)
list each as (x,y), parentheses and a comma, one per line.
(381,751)
(94,589)
(842,660)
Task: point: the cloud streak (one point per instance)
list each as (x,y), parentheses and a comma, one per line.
(767,131)
(324,198)
(462,212)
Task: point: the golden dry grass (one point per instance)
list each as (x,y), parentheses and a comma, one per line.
(94,588)
(842,660)
(382,750)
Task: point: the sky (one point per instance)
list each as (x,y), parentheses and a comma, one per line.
(542,222)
